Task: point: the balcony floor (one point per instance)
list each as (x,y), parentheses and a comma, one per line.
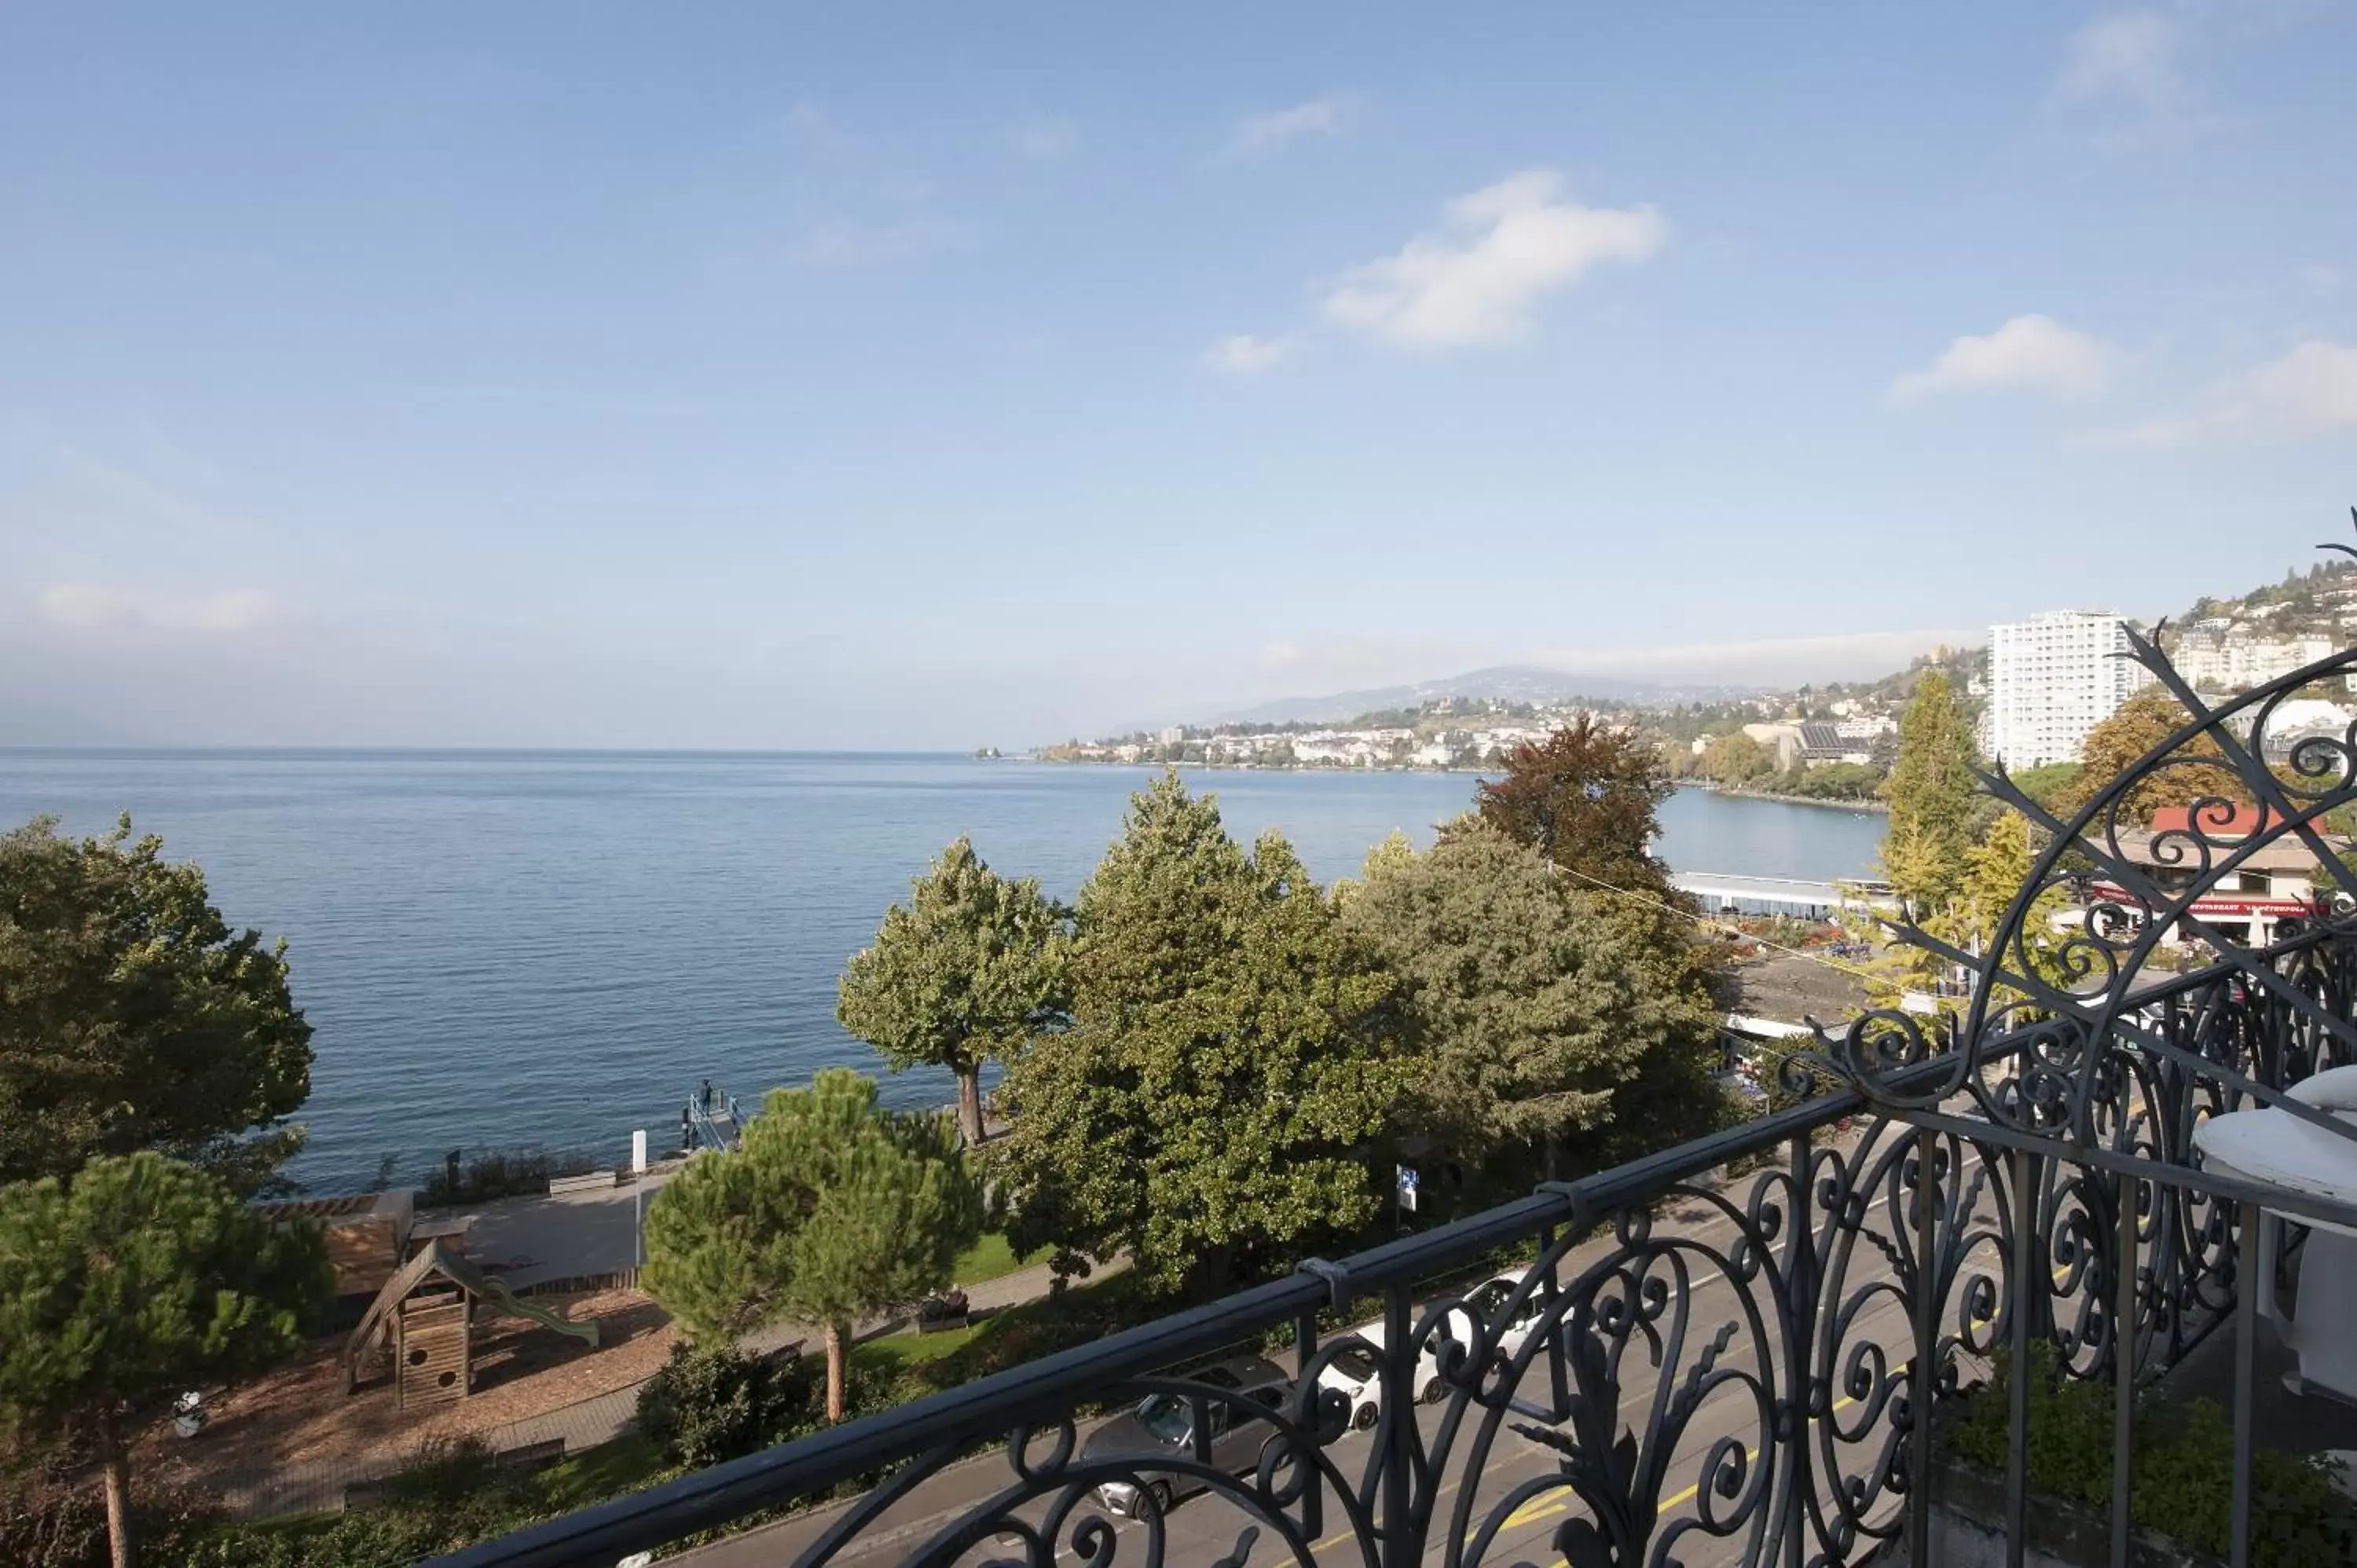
(2310,1422)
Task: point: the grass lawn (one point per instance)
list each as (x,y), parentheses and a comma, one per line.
(621,1465)
(893,1351)
(990,1258)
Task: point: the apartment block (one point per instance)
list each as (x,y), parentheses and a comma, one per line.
(2052,679)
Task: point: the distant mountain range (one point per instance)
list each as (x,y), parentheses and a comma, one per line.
(1506,683)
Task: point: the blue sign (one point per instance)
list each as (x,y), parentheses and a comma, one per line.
(1408,1185)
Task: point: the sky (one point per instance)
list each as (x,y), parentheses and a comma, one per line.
(768,376)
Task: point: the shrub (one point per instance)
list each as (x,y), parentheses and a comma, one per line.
(710,1404)
(2183,1467)
(376,1538)
(452,1493)
(444,1471)
(51,1518)
(498,1173)
(1054,1322)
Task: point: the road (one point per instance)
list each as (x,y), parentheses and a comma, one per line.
(1205,1529)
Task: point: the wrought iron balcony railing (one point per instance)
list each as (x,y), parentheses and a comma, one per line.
(1696,1371)
(1692,1366)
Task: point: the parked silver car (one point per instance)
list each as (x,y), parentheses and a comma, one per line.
(1163,1426)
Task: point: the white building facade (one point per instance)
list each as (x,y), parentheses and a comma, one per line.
(2052,679)
(2217,656)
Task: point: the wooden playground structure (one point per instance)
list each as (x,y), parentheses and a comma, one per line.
(425,1317)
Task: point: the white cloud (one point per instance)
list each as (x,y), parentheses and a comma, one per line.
(2322,279)
(849,242)
(2123,75)
(1501,248)
(2312,391)
(1243,354)
(2129,57)
(2033,353)
(1046,139)
(99,606)
(1321,116)
(1333,660)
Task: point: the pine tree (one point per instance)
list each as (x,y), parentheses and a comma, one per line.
(1232,1056)
(141,1278)
(831,1211)
(968,970)
(133,1016)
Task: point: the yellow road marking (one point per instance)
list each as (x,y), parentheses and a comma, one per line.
(1530,1511)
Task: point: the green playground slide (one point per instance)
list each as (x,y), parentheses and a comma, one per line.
(491,1288)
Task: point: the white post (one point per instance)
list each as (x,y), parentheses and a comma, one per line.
(637,1199)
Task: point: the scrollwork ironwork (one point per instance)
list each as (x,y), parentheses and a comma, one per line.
(1694,1366)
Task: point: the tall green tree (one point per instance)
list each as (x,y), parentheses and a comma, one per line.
(833,1210)
(1215,1104)
(1736,759)
(968,970)
(133,1016)
(1996,868)
(1532,1015)
(140,1278)
(1930,796)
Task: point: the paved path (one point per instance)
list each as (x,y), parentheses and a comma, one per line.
(559,1236)
(990,1296)
(565,1237)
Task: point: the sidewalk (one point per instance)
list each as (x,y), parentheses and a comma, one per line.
(947,1496)
(573,1234)
(991,1295)
(562,1236)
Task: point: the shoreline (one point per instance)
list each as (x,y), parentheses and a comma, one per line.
(1868,807)
(1235,767)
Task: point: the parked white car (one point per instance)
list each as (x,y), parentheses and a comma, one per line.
(1488,1298)
(1428,1387)
(1355,1370)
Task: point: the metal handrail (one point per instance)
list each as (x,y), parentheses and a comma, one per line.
(986,1410)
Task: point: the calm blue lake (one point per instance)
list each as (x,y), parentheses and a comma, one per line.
(506,949)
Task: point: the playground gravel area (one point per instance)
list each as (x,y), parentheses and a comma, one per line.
(297,1428)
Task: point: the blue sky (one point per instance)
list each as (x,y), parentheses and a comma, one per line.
(768,376)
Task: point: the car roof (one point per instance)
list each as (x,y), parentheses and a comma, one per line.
(1240,1373)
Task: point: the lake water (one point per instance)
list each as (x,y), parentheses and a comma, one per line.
(510,949)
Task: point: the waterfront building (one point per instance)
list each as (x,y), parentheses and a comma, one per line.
(2053,678)
(2274,881)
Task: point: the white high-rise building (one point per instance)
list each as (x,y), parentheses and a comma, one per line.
(2052,679)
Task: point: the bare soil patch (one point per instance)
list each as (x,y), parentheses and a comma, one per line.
(300,1414)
